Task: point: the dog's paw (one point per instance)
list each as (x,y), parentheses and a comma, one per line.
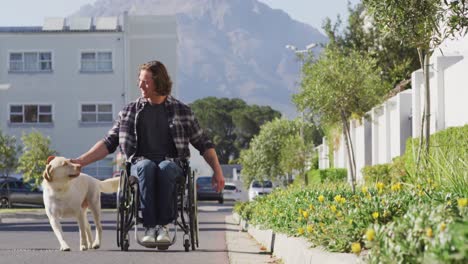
(96,245)
(83,247)
(65,248)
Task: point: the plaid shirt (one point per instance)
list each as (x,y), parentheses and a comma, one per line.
(183,127)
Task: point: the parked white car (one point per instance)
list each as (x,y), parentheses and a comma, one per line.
(259,188)
(231,192)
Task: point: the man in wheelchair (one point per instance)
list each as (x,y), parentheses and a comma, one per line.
(149,132)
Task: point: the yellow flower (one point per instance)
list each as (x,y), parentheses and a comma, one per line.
(338,214)
(396,187)
(443,226)
(311,207)
(370,234)
(333,208)
(462,202)
(300,211)
(429,232)
(380,186)
(350,221)
(300,230)
(310,228)
(299,219)
(343,200)
(305,214)
(375,215)
(356,248)
(337,198)
(321,198)
(364,189)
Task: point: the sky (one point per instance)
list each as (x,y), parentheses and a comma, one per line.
(33,12)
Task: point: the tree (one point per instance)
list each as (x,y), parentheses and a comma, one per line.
(33,160)
(424,25)
(8,154)
(339,85)
(231,123)
(396,59)
(276,151)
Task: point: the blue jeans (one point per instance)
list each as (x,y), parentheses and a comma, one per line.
(157,190)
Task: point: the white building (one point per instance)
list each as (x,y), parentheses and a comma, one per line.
(383,137)
(69,78)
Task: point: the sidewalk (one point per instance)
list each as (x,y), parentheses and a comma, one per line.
(242,247)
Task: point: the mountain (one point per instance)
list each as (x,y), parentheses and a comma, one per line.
(228,48)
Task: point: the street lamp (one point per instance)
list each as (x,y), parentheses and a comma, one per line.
(301,54)
(303,51)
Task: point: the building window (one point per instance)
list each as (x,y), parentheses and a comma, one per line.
(30,62)
(102,169)
(30,114)
(96,113)
(96,61)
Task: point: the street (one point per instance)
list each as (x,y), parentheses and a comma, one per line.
(32,241)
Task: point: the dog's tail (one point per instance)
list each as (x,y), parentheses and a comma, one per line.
(110,185)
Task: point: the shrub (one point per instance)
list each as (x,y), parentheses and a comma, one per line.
(334,217)
(447,163)
(377,173)
(423,235)
(331,175)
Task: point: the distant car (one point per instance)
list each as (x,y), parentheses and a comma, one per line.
(205,190)
(231,192)
(259,188)
(14,192)
(108,200)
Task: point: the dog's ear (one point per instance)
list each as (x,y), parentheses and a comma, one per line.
(49,159)
(46,173)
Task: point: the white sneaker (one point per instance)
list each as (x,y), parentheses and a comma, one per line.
(150,234)
(163,235)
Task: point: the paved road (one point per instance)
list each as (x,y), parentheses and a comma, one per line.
(32,241)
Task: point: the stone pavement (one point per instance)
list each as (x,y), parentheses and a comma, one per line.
(242,247)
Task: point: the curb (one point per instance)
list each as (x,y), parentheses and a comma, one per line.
(23,215)
(296,249)
(40,214)
(242,248)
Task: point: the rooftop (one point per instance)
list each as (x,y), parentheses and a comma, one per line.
(72,24)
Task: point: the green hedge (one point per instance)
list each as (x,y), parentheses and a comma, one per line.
(327,175)
(387,173)
(452,142)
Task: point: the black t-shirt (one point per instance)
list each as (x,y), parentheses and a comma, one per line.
(154,138)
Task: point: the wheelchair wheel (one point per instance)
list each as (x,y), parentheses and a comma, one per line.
(124,203)
(192,212)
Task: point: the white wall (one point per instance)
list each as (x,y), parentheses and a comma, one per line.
(65,87)
(384,136)
(362,145)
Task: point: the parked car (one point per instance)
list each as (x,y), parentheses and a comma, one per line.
(14,192)
(231,192)
(257,188)
(205,190)
(108,200)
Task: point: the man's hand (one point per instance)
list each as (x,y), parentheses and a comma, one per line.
(217,181)
(77,161)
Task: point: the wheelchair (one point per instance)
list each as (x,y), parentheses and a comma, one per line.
(185,202)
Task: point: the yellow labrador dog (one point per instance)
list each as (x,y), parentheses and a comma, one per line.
(68,193)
